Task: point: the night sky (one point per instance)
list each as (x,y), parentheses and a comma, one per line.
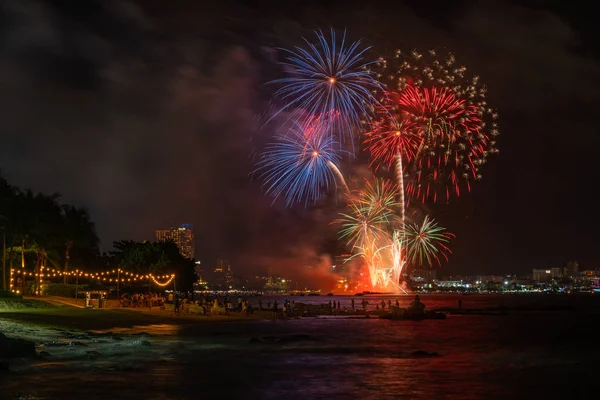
(146,113)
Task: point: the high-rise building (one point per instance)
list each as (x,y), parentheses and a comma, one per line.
(183,237)
(540,275)
(224,278)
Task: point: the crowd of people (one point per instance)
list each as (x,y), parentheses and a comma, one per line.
(365,303)
(211,303)
(182,301)
(134,300)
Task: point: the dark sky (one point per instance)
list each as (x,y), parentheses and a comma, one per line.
(145,112)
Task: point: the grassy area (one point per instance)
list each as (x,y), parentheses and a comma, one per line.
(11,304)
(84,319)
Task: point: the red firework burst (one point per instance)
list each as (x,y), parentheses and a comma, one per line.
(442,136)
(319,124)
(389,136)
(452,142)
(448,110)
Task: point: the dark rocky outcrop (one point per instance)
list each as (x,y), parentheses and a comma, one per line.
(423,353)
(402,316)
(71,335)
(56,344)
(65,344)
(140,343)
(491,311)
(12,348)
(80,344)
(282,339)
(92,355)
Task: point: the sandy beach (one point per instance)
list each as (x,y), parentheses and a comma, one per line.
(62,316)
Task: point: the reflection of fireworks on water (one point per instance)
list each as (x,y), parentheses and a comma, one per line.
(328,76)
(300,165)
(433,100)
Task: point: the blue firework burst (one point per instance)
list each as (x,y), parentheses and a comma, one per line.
(329,78)
(300,165)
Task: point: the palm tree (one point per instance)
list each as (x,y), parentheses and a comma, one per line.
(37,223)
(13,208)
(43,258)
(7,193)
(79,232)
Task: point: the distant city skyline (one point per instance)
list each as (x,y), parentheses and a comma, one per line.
(182,236)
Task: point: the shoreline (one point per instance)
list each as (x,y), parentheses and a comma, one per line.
(82,319)
(58,313)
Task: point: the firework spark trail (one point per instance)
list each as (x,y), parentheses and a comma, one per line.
(389,262)
(327,77)
(400,177)
(338,173)
(389,141)
(399,261)
(398,241)
(417,243)
(373,260)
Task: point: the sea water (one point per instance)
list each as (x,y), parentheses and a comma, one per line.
(526,354)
